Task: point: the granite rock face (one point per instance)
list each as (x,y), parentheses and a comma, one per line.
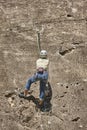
(63,33)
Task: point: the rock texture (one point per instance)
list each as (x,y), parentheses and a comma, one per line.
(63,31)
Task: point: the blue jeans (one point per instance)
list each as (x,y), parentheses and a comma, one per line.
(39,76)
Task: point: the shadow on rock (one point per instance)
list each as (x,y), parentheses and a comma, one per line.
(46,105)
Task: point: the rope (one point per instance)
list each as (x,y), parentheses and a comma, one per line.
(38,42)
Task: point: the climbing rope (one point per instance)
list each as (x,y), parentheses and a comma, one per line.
(38,42)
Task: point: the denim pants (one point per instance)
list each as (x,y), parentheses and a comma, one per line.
(38,76)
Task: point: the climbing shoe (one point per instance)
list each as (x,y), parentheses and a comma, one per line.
(45,109)
(21,95)
(40,102)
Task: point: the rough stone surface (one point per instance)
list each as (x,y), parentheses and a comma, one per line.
(63,29)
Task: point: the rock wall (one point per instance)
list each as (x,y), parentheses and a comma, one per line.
(63,32)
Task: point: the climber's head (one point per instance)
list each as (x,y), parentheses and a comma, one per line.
(43,54)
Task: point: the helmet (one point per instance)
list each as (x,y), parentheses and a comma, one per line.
(43,54)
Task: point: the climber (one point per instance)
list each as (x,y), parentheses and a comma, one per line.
(41,75)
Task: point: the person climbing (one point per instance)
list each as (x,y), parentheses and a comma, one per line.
(41,75)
